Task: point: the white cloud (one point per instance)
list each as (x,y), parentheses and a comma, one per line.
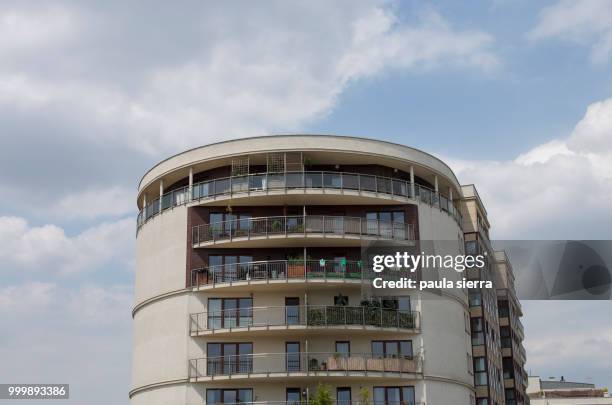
(558,190)
(25,30)
(48,249)
(248,72)
(584,21)
(553,331)
(27,297)
(99,305)
(94,203)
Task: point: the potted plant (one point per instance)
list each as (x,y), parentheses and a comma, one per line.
(295,267)
(334,362)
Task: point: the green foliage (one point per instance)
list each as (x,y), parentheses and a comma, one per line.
(323,396)
(364,396)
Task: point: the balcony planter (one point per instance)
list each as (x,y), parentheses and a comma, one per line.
(296,270)
(337,363)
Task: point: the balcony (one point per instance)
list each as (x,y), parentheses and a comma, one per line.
(306,402)
(275,272)
(299,183)
(301,318)
(250,232)
(283,365)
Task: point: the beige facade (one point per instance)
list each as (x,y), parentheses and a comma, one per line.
(250,285)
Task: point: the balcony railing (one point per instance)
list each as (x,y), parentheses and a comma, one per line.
(278,270)
(264,182)
(304,315)
(283,364)
(306,402)
(301,225)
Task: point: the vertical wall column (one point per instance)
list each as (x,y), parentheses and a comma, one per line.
(190,184)
(412,182)
(161,193)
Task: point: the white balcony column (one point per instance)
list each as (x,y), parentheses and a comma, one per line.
(436,184)
(412,182)
(190,184)
(161,193)
(450,194)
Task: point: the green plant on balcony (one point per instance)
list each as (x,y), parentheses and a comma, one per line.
(276,225)
(371,313)
(364,396)
(316,316)
(406,320)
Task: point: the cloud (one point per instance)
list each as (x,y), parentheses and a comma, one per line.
(27,297)
(27,30)
(247,72)
(547,191)
(47,249)
(555,329)
(586,22)
(63,330)
(95,203)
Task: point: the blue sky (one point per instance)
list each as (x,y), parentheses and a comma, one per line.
(515,95)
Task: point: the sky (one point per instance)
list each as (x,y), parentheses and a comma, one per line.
(515,95)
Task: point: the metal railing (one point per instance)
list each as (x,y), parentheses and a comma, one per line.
(268,364)
(301,224)
(303,315)
(306,402)
(270,270)
(264,182)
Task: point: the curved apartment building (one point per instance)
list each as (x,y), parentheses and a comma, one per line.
(251,288)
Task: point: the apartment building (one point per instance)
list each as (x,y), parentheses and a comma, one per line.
(252,287)
(497,332)
(559,391)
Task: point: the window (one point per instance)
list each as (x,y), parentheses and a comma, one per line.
(229,312)
(293,396)
(343,396)
(292,350)
(482,401)
(470,364)
(480,371)
(341,300)
(227,268)
(229,396)
(394,395)
(475,297)
(506,340)
(392,348)
(229,358)
(343,348)
(508,367)
(386,223)
(222,224)
(504,310)
(510,397)
(477,331)
(292,310)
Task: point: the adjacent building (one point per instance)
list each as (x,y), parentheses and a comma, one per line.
(558,391)
(251,284)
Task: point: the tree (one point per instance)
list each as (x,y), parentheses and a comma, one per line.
(323,395)
(364,396)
